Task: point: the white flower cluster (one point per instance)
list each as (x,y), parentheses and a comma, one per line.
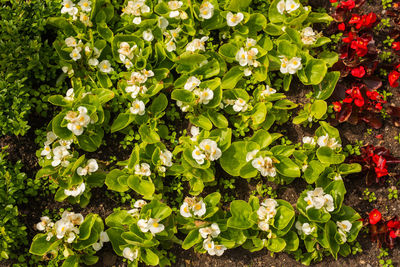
(130,253)
(266,212)
(209,245)
(206,10)
(308,36)
(344,228)
(77,48)
(126,54)
(71,9)
(152,225)
(75,190)
(91,52)
(139,204)
(304,228)
(142,169)
(136,82)
(309,140)
(91,166)
(287,6)
(70,95)
(166,159)
(171,36)
(290,66)
(194,131)
(105,66)
(319,200)
(60,153)
(265,166)
(103,238)
(197,44)
(247,56)
(267,92)
(193,207)
(174,7)
(78,120)
(136,8)
(234,19)
(63,228)
(324,140)
(207,149)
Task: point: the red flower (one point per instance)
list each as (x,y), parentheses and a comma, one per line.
(393,234)
(374,216)
(393,78)
(373,95)
(396,46)
(368,20)
(342,27)
(378,106)
(337,106)
(349,4)
(354,94)
(333,1)
(358,72)
(356,19)
(380,168)
(393,224)
(350,37)
(360,45)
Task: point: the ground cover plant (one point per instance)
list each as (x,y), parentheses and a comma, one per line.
(177,127)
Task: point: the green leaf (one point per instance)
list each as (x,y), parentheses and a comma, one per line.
(287,167)
(286,48)
(192,239)
(319,108)
(148,135)
(241,212)
(149,257)
(71,261)
(283,217)
(228,50)
(40,246)
(190,59)
(116,180)
(217,119)
(314,169)
(313,73)
(349,168)
(330,231)
(183,95)
(327,155)
(122,121)
(91,142)
(292,241)
(59,100)
(159,104)
(157,210)
(237,5)
(201,121)
(284,104)
(325,89)
(105,32)
(141,186)
(233,159)
(232,77)
(276,244)
(60,131)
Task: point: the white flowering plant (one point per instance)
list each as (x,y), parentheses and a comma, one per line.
(139,234)
(74,237)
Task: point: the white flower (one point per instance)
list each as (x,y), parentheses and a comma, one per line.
(240,105)
(247,72)
(142,169)
(104,237)
(185,210)
(192,83)
(166,158)
(93,62)
(284,64)
(44,223)
(105,66)
(263,225)
(137,20)
(60,154)
(241,57)
(97,246)
(318,199)
(267,91)
(205,95)
(90,167)
(75,54)
(140,203)
(62,227)
(69,96)
(281,6)
(212,248)
(233,20)
(211,149)
(267,210)
(182,106)
(50,138)
(68,7)
(198,155)
(171,46)
(134,90)
(148,35)
(155,227)
(46,151)
(324,140)
(304,228)
(138,107)
(308,36)
(212,231)
(345,225)
(71,42)
(294,65)
(309,140)
(126,51)
(264,166)
(199,208)
(197,44)
(85,5)
(250,155)
(162,23)
(291,6)
(75,191)
(174,6)
(250,42)
(206,10)
(85,19)
(134,212)
(130,254)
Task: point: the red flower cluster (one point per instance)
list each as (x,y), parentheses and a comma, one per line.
(354,94)
(380,166)
(375,216)
(382,231)
(363,21)
(348,5)
(394,77)
(394,227)
(396,46)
